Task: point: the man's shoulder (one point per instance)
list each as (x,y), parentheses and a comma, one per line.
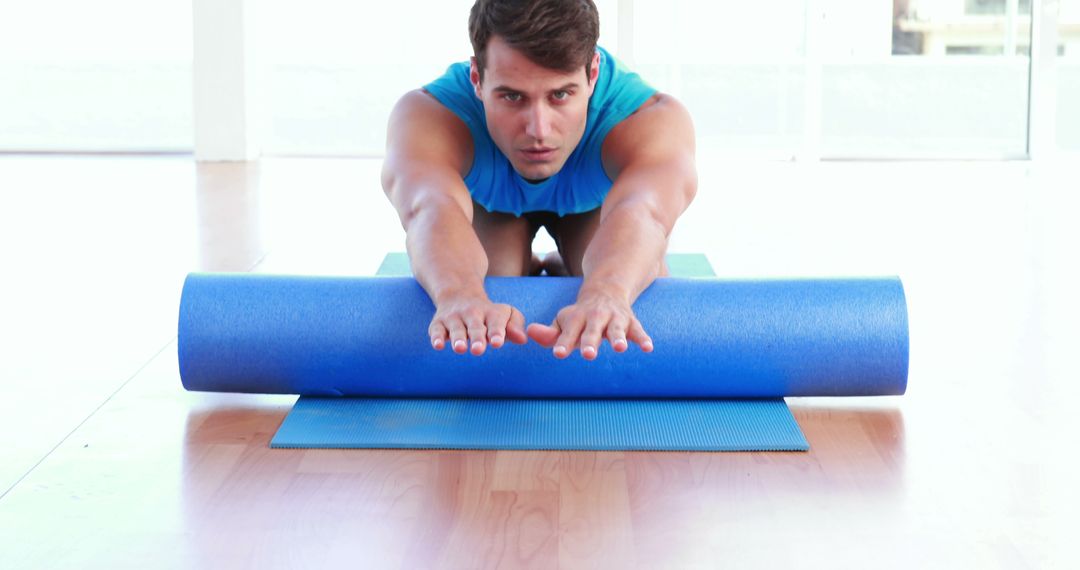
(648,118)
(423,129)
(455,92)
(656,98)
(661,126)
(628,127)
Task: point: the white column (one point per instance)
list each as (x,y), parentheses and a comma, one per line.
(811,140)
(625,35)
(223,81)
(1010,28)
(1042,86)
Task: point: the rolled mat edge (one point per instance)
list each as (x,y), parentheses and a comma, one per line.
(714,338)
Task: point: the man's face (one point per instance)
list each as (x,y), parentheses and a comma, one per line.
(535,115)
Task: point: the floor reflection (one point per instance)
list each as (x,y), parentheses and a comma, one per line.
(417,506)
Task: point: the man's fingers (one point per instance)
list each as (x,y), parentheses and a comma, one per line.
(637,335)
(470,325)
(472,329)
(515,328)
(496,325)
(477,335)
(593,334)
(544,335)
(459,339)
(616,334)
(437,332)
(571,332)
(505,323)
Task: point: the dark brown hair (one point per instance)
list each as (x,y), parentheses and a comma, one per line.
(556,34)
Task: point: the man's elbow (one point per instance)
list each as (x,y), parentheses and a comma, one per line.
(389,179)
(394,187)
(643,214)
(669,206)
(683,150)
(419,208)
(689,185)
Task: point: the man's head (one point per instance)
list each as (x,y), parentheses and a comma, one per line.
(534,68)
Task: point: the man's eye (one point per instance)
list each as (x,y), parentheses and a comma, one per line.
(561,95)
(512,97)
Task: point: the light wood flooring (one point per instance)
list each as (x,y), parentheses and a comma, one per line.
(107,463)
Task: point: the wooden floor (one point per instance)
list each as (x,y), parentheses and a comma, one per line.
(108,463)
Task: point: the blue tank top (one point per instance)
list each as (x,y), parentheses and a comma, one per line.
(581,184)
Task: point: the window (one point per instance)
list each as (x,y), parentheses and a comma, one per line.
(994,7)
(942,86)
(111,75)
(737,66)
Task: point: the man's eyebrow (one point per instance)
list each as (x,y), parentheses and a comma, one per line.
(508,89)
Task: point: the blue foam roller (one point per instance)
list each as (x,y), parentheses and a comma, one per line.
(714,338)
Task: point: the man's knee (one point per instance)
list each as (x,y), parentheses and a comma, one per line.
(503,263)
(573,233)
(507,242)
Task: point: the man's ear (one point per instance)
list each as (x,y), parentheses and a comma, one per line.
(474,76)
(594,71)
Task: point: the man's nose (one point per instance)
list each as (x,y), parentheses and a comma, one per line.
(538,125)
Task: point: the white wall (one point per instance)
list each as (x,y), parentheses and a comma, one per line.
(102,75)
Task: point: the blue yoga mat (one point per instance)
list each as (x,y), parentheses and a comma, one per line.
(583,424)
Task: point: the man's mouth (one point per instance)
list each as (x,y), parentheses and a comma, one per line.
(541,154)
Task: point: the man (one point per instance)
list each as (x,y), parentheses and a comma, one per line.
(540,128)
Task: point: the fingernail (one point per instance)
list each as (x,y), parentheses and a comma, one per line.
(647,346)
(437,343)
(496,340)
(620,345)
(589,352)
(560,351)
(477,346)
(459,345)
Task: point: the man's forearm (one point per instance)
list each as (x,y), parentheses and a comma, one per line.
(626,254)
(447,258)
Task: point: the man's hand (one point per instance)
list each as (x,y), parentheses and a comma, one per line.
(472,322)
(594,317)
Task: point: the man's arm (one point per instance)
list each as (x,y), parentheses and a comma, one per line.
(650,156)
(427,151)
